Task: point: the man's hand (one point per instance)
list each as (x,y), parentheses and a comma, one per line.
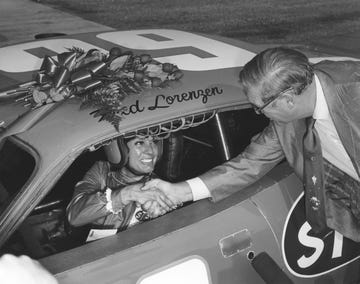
(176,192)
(155,196)
(23,269)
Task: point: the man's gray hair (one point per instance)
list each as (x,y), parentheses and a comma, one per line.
(276,69)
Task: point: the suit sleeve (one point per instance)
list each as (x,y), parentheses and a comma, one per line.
(88,204)
(262,154)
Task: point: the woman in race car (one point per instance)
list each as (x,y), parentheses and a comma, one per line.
(110,195)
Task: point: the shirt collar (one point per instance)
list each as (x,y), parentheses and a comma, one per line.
(321,110)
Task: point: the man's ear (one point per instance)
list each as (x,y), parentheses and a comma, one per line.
(290,100)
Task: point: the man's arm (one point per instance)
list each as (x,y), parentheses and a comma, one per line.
(263,153)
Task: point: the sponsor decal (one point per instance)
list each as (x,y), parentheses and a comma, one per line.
(307,254)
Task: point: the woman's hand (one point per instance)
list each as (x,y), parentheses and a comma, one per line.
(153,209)
(176,192)
(155,196)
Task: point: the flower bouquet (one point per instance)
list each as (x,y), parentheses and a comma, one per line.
(102,81)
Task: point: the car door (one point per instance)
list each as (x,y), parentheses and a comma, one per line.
(218,240)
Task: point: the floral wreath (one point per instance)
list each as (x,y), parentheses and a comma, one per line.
(102,81)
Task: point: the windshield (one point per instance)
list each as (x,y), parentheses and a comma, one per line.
(16,166)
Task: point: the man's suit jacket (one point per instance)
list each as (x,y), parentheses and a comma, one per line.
(341,85)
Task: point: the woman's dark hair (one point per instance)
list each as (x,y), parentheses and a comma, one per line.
(276,69)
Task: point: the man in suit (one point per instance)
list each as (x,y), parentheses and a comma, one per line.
(283,85)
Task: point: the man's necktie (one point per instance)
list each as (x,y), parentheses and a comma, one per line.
(313,178)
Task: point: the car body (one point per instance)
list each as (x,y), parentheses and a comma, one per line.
(48,149)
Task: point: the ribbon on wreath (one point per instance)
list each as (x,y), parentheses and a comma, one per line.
(72,74)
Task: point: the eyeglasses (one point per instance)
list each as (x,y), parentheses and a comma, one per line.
(259,110)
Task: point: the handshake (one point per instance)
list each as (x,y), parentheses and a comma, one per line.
(158,197)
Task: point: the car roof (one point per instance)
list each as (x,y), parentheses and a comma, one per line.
(67,121)
(201,89)
(196,92)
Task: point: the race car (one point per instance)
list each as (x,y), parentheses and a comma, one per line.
(258,235)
